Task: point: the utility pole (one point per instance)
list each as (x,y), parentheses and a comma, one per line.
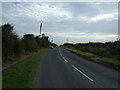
(67,40)
(40,30)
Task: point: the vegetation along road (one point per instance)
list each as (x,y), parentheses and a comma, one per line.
(22,74)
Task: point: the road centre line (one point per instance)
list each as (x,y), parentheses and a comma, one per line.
(62,56)
(64,59)
(60,53)
(77,68)
(82,73)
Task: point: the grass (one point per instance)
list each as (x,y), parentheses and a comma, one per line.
(112,63)
(22,74)
(14,60)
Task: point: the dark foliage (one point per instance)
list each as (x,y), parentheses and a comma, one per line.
(29,43)
(12,46)
(107,49)
(10,43)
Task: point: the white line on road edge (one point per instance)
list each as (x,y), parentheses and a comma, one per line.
(65,59)
(82,73)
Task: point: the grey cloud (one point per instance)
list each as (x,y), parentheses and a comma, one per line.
(61,18)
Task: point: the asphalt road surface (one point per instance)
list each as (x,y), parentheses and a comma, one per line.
(60,68)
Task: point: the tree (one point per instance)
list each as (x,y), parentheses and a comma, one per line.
(39,41)
(29,43)
(10,42)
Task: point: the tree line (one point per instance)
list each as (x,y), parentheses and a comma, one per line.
(13,46)
(107,49)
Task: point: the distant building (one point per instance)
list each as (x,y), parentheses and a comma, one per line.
(43,35)
(45,38)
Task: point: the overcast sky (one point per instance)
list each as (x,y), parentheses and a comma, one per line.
(75,21)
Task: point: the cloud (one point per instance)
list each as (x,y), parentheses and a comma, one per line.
(99,17)
(38,11)
(61,20)
(83,35)
(107,17)
(52,13)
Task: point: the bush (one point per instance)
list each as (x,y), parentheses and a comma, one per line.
(29,43)
(107,49)
(10,43)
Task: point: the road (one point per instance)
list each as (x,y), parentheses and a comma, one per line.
(60,68)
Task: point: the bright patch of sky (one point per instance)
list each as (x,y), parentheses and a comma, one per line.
(75,21)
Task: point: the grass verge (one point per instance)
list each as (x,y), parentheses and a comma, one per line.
(22,74)
(112,63)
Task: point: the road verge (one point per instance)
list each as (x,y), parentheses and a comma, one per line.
(112,63)
(22,74)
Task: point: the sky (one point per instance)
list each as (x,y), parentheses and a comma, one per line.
(77,22)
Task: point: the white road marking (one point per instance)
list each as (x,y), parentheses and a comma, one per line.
(60,53)
(82,73)
(64,59)
(62,56)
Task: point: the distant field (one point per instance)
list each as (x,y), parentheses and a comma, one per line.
(110,62)
(22,74)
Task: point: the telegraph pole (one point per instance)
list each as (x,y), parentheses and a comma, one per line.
(40,30)
(67,40)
